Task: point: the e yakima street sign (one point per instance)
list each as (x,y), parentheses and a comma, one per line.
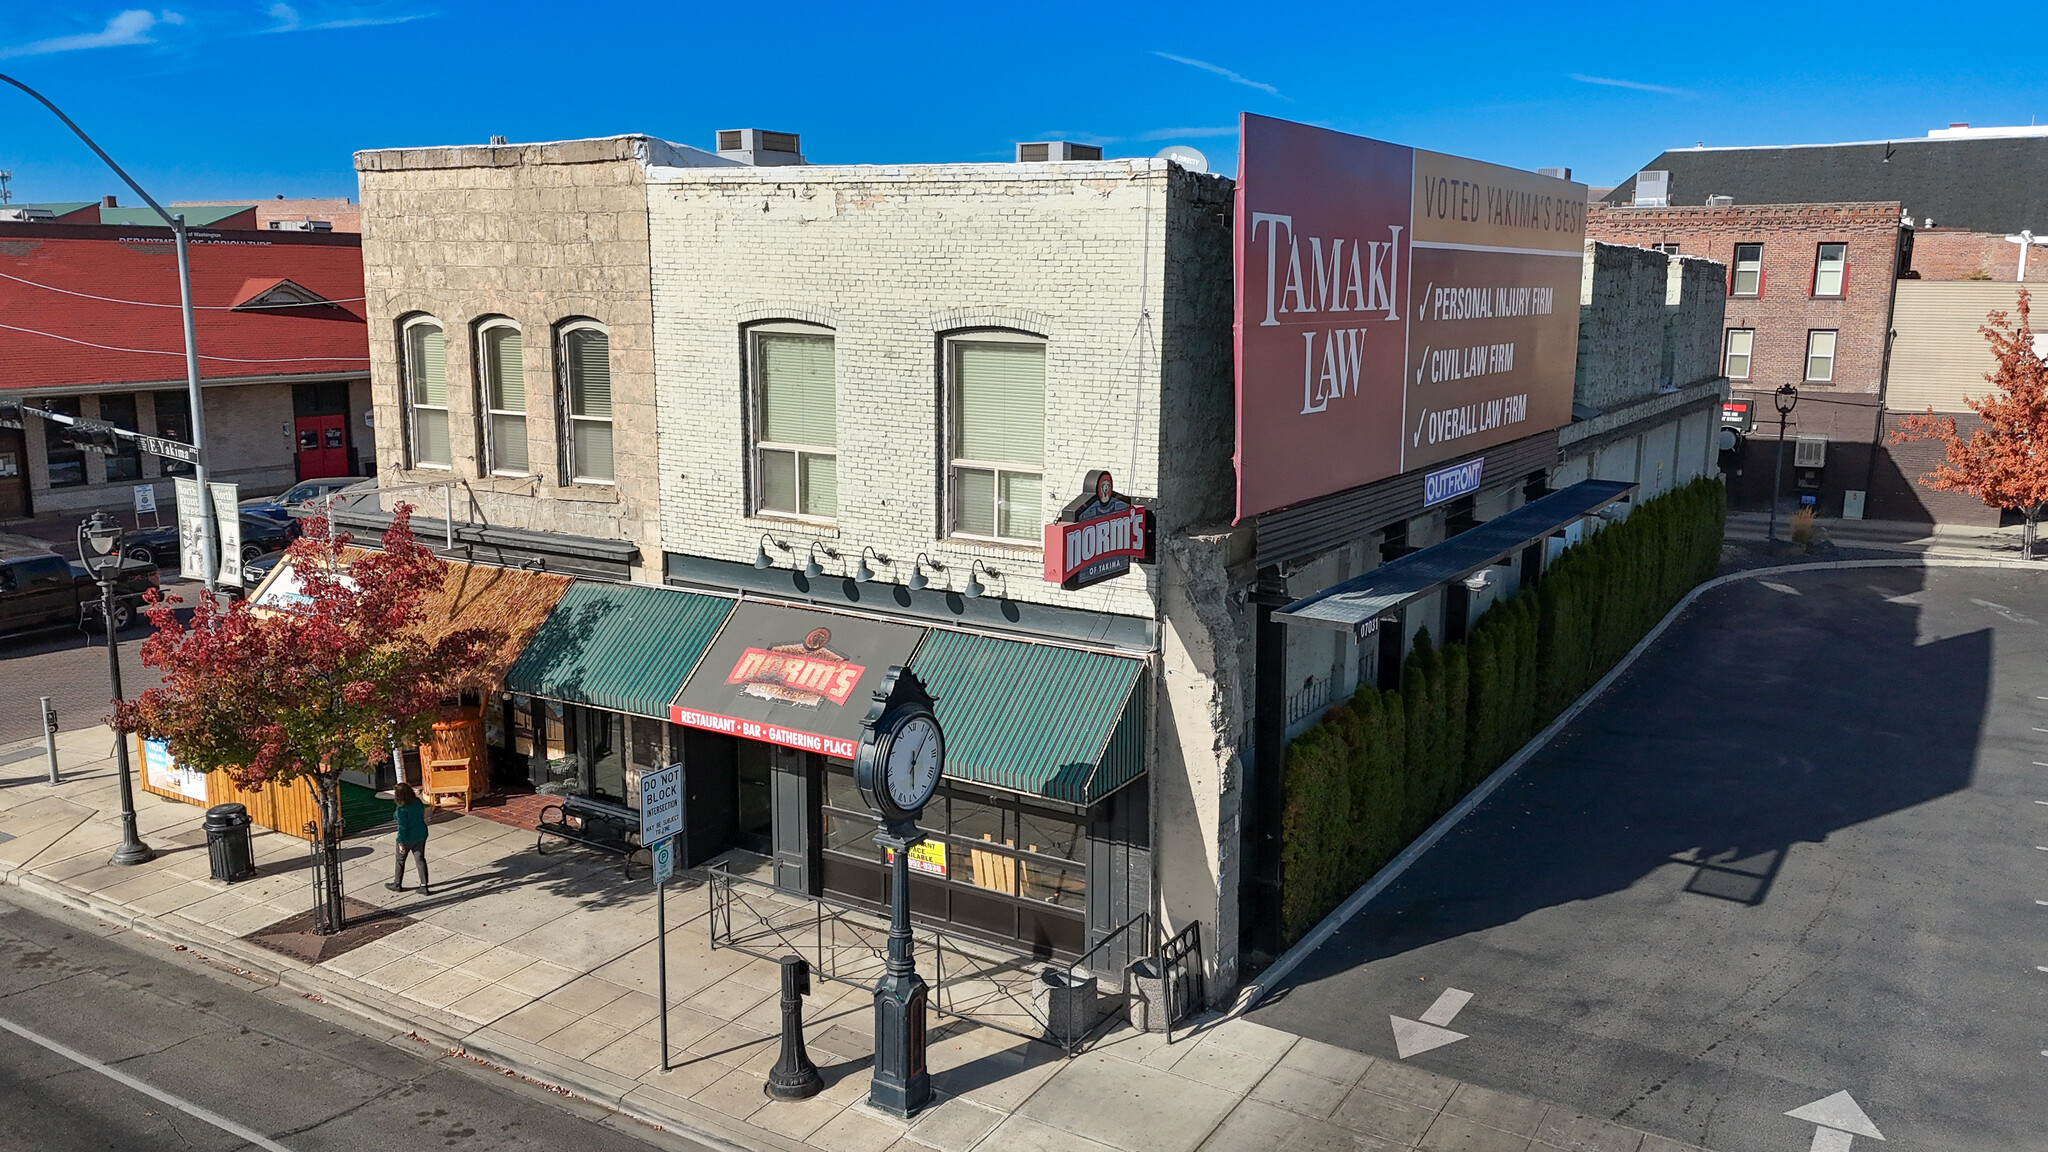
(1098,536)
(1396,308)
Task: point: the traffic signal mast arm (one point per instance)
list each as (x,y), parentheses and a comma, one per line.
(96,435)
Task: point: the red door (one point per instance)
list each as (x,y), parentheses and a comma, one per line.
(323,446)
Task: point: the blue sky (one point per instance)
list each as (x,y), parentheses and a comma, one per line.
(212,100)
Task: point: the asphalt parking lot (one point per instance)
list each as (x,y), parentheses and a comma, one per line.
(1801,848)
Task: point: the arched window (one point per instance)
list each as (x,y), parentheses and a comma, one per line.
(995,394)
(425,368)
(501,381)
(794,420)
(587,402)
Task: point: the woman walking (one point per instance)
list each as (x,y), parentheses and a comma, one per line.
(412,836)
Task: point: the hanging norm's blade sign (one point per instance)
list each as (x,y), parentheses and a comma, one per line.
(1396,308)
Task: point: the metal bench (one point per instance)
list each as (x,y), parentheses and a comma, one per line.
(595,824)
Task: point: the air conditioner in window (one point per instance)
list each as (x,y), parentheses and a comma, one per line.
(1810,452)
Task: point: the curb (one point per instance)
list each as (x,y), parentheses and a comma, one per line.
(1249,997)
(304,982)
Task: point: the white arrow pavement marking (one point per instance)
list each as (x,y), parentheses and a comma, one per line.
(1413,1037)
(1837,1118)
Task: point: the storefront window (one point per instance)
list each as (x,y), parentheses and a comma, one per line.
(650,744)
(118,409)
(66,461)
(561,774)
(1050,836)
(852,833)
(605,734)
(1053,885)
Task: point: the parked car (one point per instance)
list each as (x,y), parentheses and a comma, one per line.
(40,589)
(260,534)
(253,571)
(306,494)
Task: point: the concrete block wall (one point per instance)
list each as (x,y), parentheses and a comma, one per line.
(540,234)
(1621,325)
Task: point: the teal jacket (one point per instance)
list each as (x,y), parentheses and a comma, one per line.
(412,822)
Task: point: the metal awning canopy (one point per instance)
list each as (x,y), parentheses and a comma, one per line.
(1354,604)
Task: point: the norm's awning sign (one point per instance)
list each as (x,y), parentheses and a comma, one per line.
(1098,537)
(1396,308)
(792,677)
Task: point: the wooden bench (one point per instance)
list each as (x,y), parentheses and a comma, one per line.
(595,824)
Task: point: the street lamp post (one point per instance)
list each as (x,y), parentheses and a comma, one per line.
(207,534)
(99,544)
(1786,398)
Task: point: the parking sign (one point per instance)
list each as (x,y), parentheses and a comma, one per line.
(664,860)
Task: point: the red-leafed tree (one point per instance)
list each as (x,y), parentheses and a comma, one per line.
(337,680)
(2004,461)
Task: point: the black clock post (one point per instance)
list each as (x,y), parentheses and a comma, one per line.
(902,1082)
(902,755)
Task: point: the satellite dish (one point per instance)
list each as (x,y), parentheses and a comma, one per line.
(1184,156)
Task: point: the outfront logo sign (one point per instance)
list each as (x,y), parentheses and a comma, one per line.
(1098,536)
(1451,483)
(1395,308)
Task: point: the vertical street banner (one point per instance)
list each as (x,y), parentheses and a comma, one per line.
(227,520)
(1395,308)
(191,528)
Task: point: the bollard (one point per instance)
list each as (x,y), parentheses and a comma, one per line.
(794,1077)
(50,737)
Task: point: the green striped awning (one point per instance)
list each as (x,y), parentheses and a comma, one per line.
(1033,718)
(625,647)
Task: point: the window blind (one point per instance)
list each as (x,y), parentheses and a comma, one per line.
(797,403)
(999,403)
(590,374)
(429,365)
(505,364)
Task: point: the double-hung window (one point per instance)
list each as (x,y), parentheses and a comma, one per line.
(796,438)
(996,400)
(1741,343)
(501,359)
(1747,278)
(426,394)
(1820,356)
(1830,266)
(587,393)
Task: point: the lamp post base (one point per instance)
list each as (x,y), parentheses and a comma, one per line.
(133,852)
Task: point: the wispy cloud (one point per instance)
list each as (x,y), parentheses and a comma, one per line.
(289,20)
(1632,85)
(130,27)
(1219,70)
(1187,133)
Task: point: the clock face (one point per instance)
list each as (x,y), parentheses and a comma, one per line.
(917,754)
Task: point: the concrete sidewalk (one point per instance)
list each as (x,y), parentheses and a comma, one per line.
(544,966)
(1898,536)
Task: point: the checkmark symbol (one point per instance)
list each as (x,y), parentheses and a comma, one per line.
(1423,308)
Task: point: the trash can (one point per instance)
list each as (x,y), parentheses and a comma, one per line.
(1067,1004)
(1147,987)
(227,842)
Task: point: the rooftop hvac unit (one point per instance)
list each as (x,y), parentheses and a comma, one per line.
(1653,189)
(1810,452)
(1555,173)
(759,148)
(1720,201)
(1044,150)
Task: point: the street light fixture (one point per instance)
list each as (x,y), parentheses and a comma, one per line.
(99,545)
(1786,398)
(207,535)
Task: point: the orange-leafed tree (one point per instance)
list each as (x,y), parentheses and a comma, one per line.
(2004,460)
(340,677)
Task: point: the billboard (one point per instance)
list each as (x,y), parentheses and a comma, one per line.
(1396,308)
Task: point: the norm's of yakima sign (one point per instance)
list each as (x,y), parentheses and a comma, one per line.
(1395,308)
(1098,536)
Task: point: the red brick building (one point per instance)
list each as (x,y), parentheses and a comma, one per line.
(1960,254)
(90,326)
(1809,304)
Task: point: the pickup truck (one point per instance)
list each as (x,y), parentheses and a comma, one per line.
(40,589)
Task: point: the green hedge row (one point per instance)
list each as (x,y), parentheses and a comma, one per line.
(1377,771)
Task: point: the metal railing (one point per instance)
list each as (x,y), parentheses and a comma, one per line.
(1180,965)
(970,979)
